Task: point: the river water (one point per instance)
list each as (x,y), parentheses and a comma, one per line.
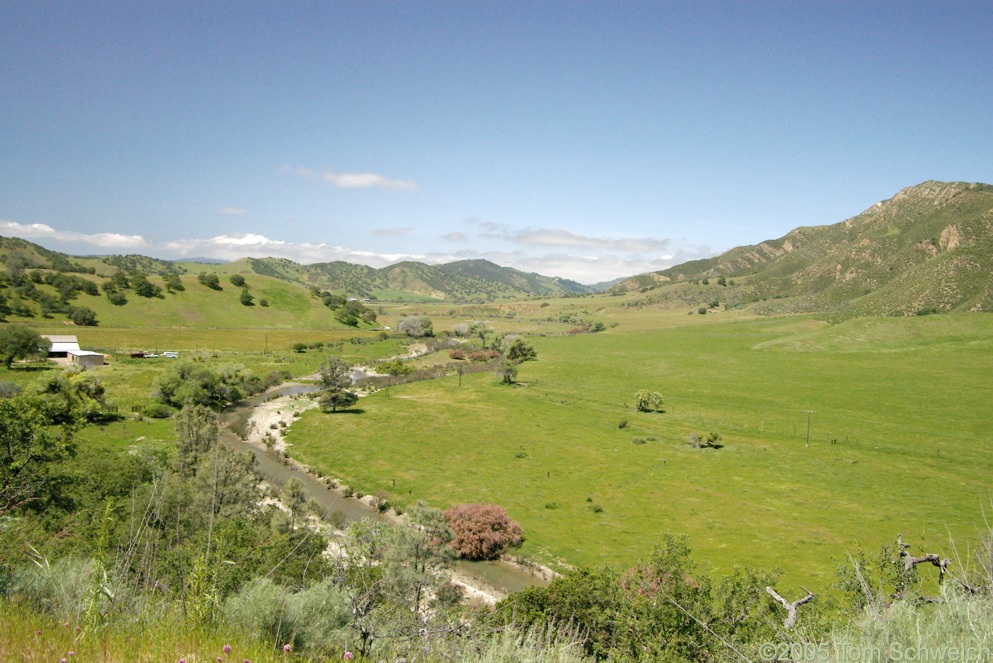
(497,574)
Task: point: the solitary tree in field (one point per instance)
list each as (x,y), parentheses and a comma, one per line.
(508,371)
(18,342)
(335,379)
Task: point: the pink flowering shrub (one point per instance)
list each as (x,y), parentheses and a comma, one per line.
(482,531)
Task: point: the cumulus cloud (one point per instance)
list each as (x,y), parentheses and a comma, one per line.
(37,231)
(355,180)
(392,232)
(234,246)
(234,211)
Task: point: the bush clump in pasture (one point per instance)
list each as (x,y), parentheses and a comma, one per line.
(712,441)
(482,531)
(648,401)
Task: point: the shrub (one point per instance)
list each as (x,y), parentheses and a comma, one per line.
(482,531)
(457,354)
(157,411)
(648,401)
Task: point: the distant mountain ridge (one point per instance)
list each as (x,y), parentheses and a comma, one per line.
(927,249)
(460,281)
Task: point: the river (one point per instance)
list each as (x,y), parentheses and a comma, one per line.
(500,575)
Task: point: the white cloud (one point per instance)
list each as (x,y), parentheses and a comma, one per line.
(454,237)
(234,211)
(250,245)
(392,232)
(355,180)
(560,237)
(34,231)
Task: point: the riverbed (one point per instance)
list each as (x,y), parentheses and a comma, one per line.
(489,580)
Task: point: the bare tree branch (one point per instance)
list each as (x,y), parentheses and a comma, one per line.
(790,607)
(910,561)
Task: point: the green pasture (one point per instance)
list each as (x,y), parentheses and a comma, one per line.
(899,439)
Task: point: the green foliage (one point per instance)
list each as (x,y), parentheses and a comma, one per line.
(143,287)
(237,280)
(335,380)
(173,283)
(197,431)
(663,609)
(198,384)
(246,298)
(396,367)
(520,350)
(314,619)
(212,281)
(17,342)
(648,401)
(37,429)
(508,372)
(82,316)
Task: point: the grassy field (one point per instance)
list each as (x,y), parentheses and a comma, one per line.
(899,439)
(897,410)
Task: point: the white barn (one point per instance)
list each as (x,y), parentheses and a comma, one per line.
(61,345)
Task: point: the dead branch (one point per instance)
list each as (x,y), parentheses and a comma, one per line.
(910,561)
(790,620)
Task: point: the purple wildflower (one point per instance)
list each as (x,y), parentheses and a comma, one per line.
(287,648)
(349,656)
(227,649)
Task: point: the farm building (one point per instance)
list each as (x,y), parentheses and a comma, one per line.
(67,348)
(61,346)
(85,358)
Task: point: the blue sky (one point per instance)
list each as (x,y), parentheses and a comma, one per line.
(588,140)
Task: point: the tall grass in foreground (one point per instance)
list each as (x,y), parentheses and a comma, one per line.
(27,635)
(958,627)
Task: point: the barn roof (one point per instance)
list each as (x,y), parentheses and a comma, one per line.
(62,343)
